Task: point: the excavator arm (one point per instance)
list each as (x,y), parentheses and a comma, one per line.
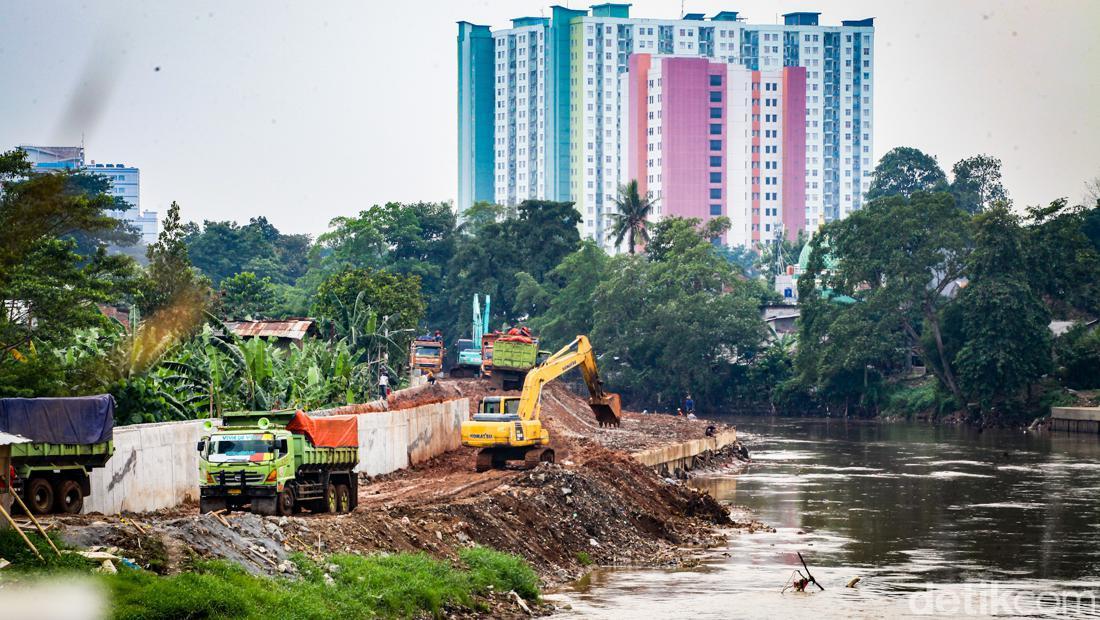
(604,404)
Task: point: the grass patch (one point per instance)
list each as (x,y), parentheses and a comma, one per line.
(584,559)
(15,550)
(400,585)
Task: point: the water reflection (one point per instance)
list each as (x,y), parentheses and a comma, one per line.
(915,510)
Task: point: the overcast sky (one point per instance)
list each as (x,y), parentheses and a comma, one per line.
(305,111)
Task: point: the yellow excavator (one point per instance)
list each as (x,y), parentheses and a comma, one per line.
(507,428)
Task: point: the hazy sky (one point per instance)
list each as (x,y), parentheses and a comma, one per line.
(305,111)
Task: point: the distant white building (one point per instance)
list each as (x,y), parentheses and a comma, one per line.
(125,181)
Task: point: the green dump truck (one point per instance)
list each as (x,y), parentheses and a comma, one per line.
(512,357)
(278,462)
(63,440)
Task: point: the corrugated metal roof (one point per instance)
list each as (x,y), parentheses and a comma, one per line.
(294,329)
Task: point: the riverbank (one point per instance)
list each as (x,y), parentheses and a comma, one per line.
(597,506)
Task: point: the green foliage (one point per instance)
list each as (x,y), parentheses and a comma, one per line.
(53,265)
(170,280)
(1062,260)
(1007,341)
(977,183)
(910,401)
(493,247)
(221,249)
(584,559)
(23,560)
(631,215)
(565,307)
(904,171)
(676,321)
(245,295)
(400,585)
(416,239)
(1078,357)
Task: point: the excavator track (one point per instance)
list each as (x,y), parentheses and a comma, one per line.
(535,456)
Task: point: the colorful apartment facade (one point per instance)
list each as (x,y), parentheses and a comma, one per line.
(769,125)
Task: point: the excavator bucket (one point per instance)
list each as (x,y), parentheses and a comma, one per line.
(608,409)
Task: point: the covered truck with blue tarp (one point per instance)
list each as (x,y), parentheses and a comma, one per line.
(68,438)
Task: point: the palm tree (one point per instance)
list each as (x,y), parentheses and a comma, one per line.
(634,210)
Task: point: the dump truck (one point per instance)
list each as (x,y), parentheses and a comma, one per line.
(468,362)
(426,354)
(508,428)
(487,342)
(69,437)
(514,355)
(279,462)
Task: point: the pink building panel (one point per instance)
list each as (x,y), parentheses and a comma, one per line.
(794,151)
(638,113)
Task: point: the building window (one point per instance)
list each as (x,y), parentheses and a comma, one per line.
(716,193)
(716,145)
(716,209)
(715,96)
(716,177)
(715,80)
(716,112)
(715,160)
(715,129)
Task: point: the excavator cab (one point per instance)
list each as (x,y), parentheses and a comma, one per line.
(498,409)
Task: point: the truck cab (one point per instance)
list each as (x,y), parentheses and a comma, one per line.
(427,355)
(254,460)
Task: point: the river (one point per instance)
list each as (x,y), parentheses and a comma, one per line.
(936,521)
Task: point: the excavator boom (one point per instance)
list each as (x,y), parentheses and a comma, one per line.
(604,404)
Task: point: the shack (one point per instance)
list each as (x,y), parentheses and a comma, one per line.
(285,332)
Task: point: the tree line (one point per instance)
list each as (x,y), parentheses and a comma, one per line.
(933,275)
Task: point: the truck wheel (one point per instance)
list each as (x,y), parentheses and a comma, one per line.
(328,502)
(70,497)
(343,498)
(285,500)
(40,496)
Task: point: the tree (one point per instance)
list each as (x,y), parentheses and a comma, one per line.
(633,211)
(171,283)
(564,305)
(49,283)
(346,300)
(904,171)
(1007,341)
(247,296)
(1063,262)
(977,184)
(489,254)
(410,239)
(222,249)
(676,321)
(898,255)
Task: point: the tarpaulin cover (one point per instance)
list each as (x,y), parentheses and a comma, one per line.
(81,420)
(335,431)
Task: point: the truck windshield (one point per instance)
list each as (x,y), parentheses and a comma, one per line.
(427,351)
(240,448)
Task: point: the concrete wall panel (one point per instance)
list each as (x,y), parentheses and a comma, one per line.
(156,466)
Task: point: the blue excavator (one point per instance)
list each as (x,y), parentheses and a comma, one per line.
(468,364)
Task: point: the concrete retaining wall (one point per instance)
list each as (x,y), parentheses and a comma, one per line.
(1075,419)
(156,466)
(681,455)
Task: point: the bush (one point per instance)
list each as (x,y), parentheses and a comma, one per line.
(1078,354)
(911,401)
(503,571)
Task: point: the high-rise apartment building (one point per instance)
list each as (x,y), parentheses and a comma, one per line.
(770,125)
(125,181)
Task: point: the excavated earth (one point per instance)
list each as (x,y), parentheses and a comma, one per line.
(596,505)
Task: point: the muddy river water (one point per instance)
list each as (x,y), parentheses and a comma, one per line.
(935,521)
